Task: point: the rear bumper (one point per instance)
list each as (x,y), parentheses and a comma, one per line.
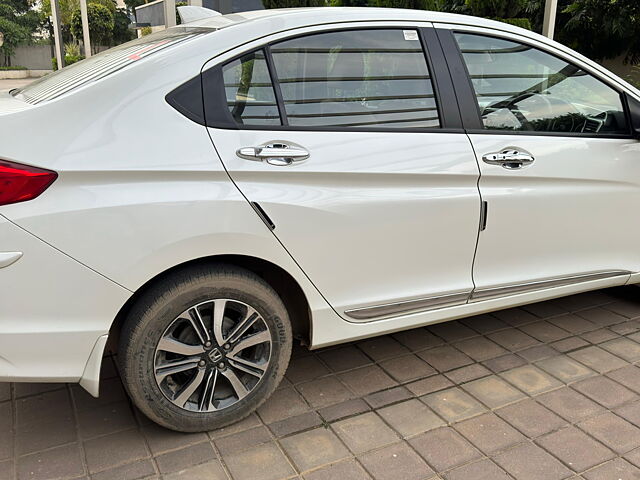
(53,311)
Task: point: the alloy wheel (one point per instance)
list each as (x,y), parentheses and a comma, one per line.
(212,355)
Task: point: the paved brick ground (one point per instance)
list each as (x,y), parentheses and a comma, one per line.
(548,391)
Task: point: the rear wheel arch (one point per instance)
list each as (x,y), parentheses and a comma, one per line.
(285,285)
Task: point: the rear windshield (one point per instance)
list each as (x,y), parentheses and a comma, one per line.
(104,64)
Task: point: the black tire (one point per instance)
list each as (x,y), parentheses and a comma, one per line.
(155,312)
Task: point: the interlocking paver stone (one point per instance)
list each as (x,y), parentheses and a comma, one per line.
(395,462)
(568,344)
(59,462)
(417,339)
(605,391)
(489,433)
(468,373)
(386,397)
(381,348)
(204,471)
(429,385)
(480,348)
(305,369)
(347,469)
(324,391)
(314,448)
(365,380)
(444,448)
(244,440)
(295,424)
(615,432)
(410,417)
(569,404)
(493,391)
(513,339)
(453,404)
(544,331)
(575,448)
(630,412)
(617,469)
(406,368)
(484,323)
(598,359)
(481,470)
(111,450)
(445,358)
(531,380)
(364,432)
(266,458)
(531,418)
(161,440)
(131,471)
(565,369)
(185,457)
(452,331)
(505,362)
(623,348)
(344,409)
(628,376)
(533,354)
(344,358)
(530,462)
(285,402)
(573,323)
(601,316)
(515,316)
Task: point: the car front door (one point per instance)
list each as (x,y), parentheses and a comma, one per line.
(339,140)
(560,172)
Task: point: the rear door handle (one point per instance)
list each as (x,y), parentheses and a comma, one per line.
(510,159)
(280,154)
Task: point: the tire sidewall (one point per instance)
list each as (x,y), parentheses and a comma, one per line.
(151,325)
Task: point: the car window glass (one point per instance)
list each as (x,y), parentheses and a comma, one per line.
(521,88)
(249,92)
(356,78)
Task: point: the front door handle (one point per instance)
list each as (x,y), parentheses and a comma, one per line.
(280,154)
(510,159)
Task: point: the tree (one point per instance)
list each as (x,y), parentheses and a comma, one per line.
(100,24)
(17,23)
(121,31)
(132,4)
(604,28)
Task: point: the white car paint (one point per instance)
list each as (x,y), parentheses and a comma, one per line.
(141,189)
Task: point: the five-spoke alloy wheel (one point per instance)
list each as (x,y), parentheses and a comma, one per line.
(205,347)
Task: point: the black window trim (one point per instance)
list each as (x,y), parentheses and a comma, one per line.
(465,92)
(449,117)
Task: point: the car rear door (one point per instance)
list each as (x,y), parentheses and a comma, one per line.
(560,171)
(352,151)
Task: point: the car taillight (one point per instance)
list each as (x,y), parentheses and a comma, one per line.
(19,183)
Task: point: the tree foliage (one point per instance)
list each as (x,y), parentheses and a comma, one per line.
(100,24)
(604,28)
(17,23)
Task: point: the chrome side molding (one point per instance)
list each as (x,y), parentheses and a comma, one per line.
(409,306)
(460,298)
(514,289)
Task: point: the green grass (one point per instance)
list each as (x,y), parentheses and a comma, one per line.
(13,67)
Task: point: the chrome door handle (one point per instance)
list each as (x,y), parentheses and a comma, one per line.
(510,159)
(280,154)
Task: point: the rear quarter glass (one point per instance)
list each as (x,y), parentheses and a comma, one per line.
(105,63)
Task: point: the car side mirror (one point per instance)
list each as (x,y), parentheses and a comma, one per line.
(633,105)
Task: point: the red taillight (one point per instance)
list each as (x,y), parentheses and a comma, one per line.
(19,183)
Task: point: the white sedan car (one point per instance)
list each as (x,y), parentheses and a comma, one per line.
(204,195)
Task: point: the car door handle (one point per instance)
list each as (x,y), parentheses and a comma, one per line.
(280,154)
(510,159)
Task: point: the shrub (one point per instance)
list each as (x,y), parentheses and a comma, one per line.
(68,60)
(13,67)
(144,31)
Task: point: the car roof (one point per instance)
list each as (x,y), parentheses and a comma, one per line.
(320,15)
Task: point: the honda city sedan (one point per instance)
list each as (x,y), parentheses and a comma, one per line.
(200,197)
